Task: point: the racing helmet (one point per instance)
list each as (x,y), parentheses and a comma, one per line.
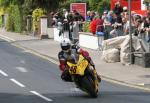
(65,44)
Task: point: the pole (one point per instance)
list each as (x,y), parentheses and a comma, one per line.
(131,52)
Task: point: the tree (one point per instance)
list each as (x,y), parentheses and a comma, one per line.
(45,4)
(99,5)
(93,4)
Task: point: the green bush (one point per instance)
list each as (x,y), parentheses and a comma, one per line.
(37,13)
(10,19)
(17,19)
(103,5)
(86,27)
(1,13)
(14,21)
(0,21)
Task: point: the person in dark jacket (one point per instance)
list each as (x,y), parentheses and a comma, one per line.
(118,9)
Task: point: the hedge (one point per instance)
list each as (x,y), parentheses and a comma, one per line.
(14,21)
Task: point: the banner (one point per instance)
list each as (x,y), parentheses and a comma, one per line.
(135,4)
(79,7)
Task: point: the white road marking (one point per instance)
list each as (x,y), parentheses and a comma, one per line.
(26,51)
(75,89)
(22,69)
(38,94)
(22,61)
(6,38)
(141,84)
(17,82)
(3,73)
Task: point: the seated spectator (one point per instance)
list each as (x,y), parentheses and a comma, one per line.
(115,31)
(125,26)
(114,18)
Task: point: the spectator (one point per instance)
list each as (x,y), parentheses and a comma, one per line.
(139,28)
(65,20)
(104,16)
(92,15)
(125,12)
(75,30)
(93,25)
(99,24)
(70,21)
(105,19)
(125,26)
(115,31)
(118,9)
(110,17)
(88,17)
(114,18)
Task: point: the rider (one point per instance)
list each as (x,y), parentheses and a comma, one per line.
(69,52)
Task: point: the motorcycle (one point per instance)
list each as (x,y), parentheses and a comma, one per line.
(84,76)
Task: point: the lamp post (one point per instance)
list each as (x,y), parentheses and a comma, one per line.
(131,50)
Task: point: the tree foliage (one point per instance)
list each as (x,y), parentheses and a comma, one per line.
(37,13)
(99,5)
(146,1)
(14,22)
(25,8)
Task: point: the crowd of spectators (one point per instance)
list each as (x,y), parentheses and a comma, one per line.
(68,21)
(112,23)
(116,23)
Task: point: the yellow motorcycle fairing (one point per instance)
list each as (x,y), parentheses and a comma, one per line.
(79,67)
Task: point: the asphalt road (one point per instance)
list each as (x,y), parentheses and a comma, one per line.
(26,78)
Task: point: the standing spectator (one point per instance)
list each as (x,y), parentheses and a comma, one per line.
(65,21)
(93,25)
(107,24)
(125,12)
(110,17)
(105,19)
(75,30)
(80,19)
(99,24)
(88,17)
(92,15)
(118,9)
(104,16)
(70,21)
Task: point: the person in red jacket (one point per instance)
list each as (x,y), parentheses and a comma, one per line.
(93,26)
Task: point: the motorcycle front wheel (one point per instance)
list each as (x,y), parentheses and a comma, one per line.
(89,85)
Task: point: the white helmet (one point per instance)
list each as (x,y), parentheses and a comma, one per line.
(65,44)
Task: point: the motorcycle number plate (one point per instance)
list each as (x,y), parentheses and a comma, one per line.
(73,69)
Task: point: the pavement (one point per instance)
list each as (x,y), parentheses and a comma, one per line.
(129,75)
